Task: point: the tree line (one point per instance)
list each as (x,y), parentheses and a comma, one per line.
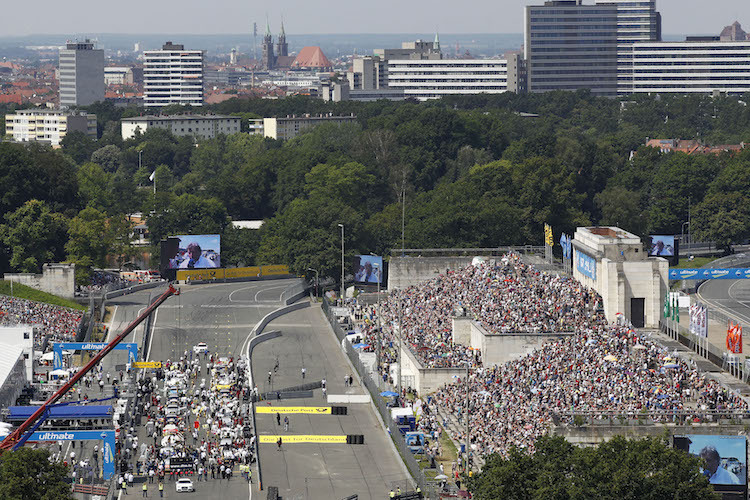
(470,171)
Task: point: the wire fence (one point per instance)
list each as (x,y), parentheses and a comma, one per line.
(374,386)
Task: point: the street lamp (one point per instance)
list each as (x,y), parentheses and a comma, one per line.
(682,234)
(316,281)
(342,263)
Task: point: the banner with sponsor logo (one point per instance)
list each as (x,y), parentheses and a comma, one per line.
(108,436)
(274,270)
(586,264)
(58,347)
(147,364)
(709,274)
(242,272)
(319,410)
(699,320)
(303,439)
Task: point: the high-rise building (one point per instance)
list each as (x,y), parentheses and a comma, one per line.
(172,75)
(570,46)
(434,78)
(637,21)
(371,72)
(81,71)
(698,65)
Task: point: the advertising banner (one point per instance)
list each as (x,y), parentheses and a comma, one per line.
(699,320)
(108,449)
(303,439)
(710,274)
(242,272)
(586,264)
(58,347)
(274,270)
(315,410)
(147,364)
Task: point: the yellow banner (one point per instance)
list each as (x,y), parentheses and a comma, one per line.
(146,364)
(321,410)
(200,274)
(274,270)
(242,272)
(303,439)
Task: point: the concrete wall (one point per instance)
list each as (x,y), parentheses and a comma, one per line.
(462,329)
(406,271)
(427,380)
(57,279)
(500,348)
(592,435)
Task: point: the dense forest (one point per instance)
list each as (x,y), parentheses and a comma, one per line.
(474,171)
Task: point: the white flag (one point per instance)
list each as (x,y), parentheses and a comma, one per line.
(151,177)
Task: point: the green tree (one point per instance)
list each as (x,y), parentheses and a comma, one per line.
(723,218)
(109,157)
(29,474)
(239,247)
(34,235)
(622,208)
(78,146)
(89,242)
(638,469)
(93,182)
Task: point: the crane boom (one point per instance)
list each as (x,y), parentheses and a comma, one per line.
(16,435)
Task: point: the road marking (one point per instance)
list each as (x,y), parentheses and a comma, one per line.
(270,288)
(259,304)
(208,327)
(302,438)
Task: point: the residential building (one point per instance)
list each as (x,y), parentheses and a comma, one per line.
(48,125)
(291,126)
(198,126)
(118,75)
(571,46)
(340,91)
(172,75)
(692,147)
(637,21)
(434,78)
(81,74)
(693,66)
(371,72)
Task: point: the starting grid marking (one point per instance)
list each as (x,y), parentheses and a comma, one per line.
(300,438)
(316,410)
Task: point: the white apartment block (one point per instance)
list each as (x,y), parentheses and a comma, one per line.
(172,75)
(691,67)
(48,125)
(434,78)
(291,126)
(198,126)
(81,74)
(118,75)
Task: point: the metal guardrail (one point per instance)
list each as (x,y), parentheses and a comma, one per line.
(373,387)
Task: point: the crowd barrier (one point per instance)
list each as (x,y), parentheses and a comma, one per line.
(231,273)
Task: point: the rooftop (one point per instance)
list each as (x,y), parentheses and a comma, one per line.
(178,117)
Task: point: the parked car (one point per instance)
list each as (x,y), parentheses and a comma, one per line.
(184,484)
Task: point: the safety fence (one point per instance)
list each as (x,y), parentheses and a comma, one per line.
(427,487)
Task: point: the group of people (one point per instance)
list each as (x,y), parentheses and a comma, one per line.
(102,282)
(59,323)
(598,370)
(508,297)
(197,420)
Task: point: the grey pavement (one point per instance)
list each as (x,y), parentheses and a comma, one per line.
(320,470)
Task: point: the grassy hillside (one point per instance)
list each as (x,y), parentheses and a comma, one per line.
(25,292)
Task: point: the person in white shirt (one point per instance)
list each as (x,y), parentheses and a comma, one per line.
(715,473)
(196,260)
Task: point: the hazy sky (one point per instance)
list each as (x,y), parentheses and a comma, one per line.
(327,16)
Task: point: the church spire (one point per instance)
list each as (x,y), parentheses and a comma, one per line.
(436,43)
(282,26)
(268,26)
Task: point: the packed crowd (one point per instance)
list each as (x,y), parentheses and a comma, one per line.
(601,370)
(174,446)
(103,282)
(507,297)
(60,323)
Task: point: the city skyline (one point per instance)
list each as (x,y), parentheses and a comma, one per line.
(339,17)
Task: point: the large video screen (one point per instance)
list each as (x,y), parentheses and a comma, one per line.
(725,457)
(662,246)
(202,251)
(368,269)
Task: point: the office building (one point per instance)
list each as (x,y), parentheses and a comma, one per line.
(697,65)
(570,46)
(48,125)
(637,21)
(118,75)
(371,72)
(81,70)
(198,126)
(434,78)
(291,126)
(172,75)
(340,91)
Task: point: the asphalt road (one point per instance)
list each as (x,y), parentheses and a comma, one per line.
(223,315)
(731,297)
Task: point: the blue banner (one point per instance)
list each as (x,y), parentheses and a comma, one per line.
(586,264)
(58,347)
(709,274)
(108,450)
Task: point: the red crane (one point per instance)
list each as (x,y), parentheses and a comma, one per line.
(13,438)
